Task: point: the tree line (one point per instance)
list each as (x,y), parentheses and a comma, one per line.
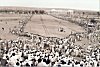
(24,11)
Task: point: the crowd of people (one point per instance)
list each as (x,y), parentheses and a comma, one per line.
(18,30)
(39,51)
(85,21)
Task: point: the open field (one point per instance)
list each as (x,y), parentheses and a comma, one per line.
(8,21)
(4,34)
(65,39)
(49,26)
(39,24)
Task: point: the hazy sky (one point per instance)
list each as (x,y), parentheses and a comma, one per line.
(75,4)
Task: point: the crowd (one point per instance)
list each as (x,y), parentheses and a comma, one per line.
(17,30)
(84,21)
(40,51)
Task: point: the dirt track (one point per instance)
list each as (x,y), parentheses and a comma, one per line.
(48,26)
(39,24)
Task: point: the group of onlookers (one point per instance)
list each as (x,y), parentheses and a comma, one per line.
(43,51)
(40,51)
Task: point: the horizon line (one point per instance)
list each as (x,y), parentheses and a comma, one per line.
(49,8)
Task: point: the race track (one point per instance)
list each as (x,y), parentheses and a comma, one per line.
(49,26)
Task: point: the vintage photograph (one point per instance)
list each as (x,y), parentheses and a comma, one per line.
(49,33)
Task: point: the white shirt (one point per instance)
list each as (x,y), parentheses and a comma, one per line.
(42,64)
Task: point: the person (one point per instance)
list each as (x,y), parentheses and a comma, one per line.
(41,63)
(61,29)
(2,28)
(3,62)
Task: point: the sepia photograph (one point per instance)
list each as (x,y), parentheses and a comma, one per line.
(49,33)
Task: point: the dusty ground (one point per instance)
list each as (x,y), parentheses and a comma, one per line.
(8,21)
(48,26)
(39,24)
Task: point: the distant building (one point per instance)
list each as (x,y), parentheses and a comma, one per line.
(61,11)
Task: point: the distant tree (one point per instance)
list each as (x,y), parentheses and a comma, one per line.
(5,11)
(0,11)
(33,12)
(36,11)
(42,11)
(98,13)
(25,12)
(29,12)
(20,12)
(83,13)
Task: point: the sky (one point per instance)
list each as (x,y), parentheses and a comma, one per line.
(72,4)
